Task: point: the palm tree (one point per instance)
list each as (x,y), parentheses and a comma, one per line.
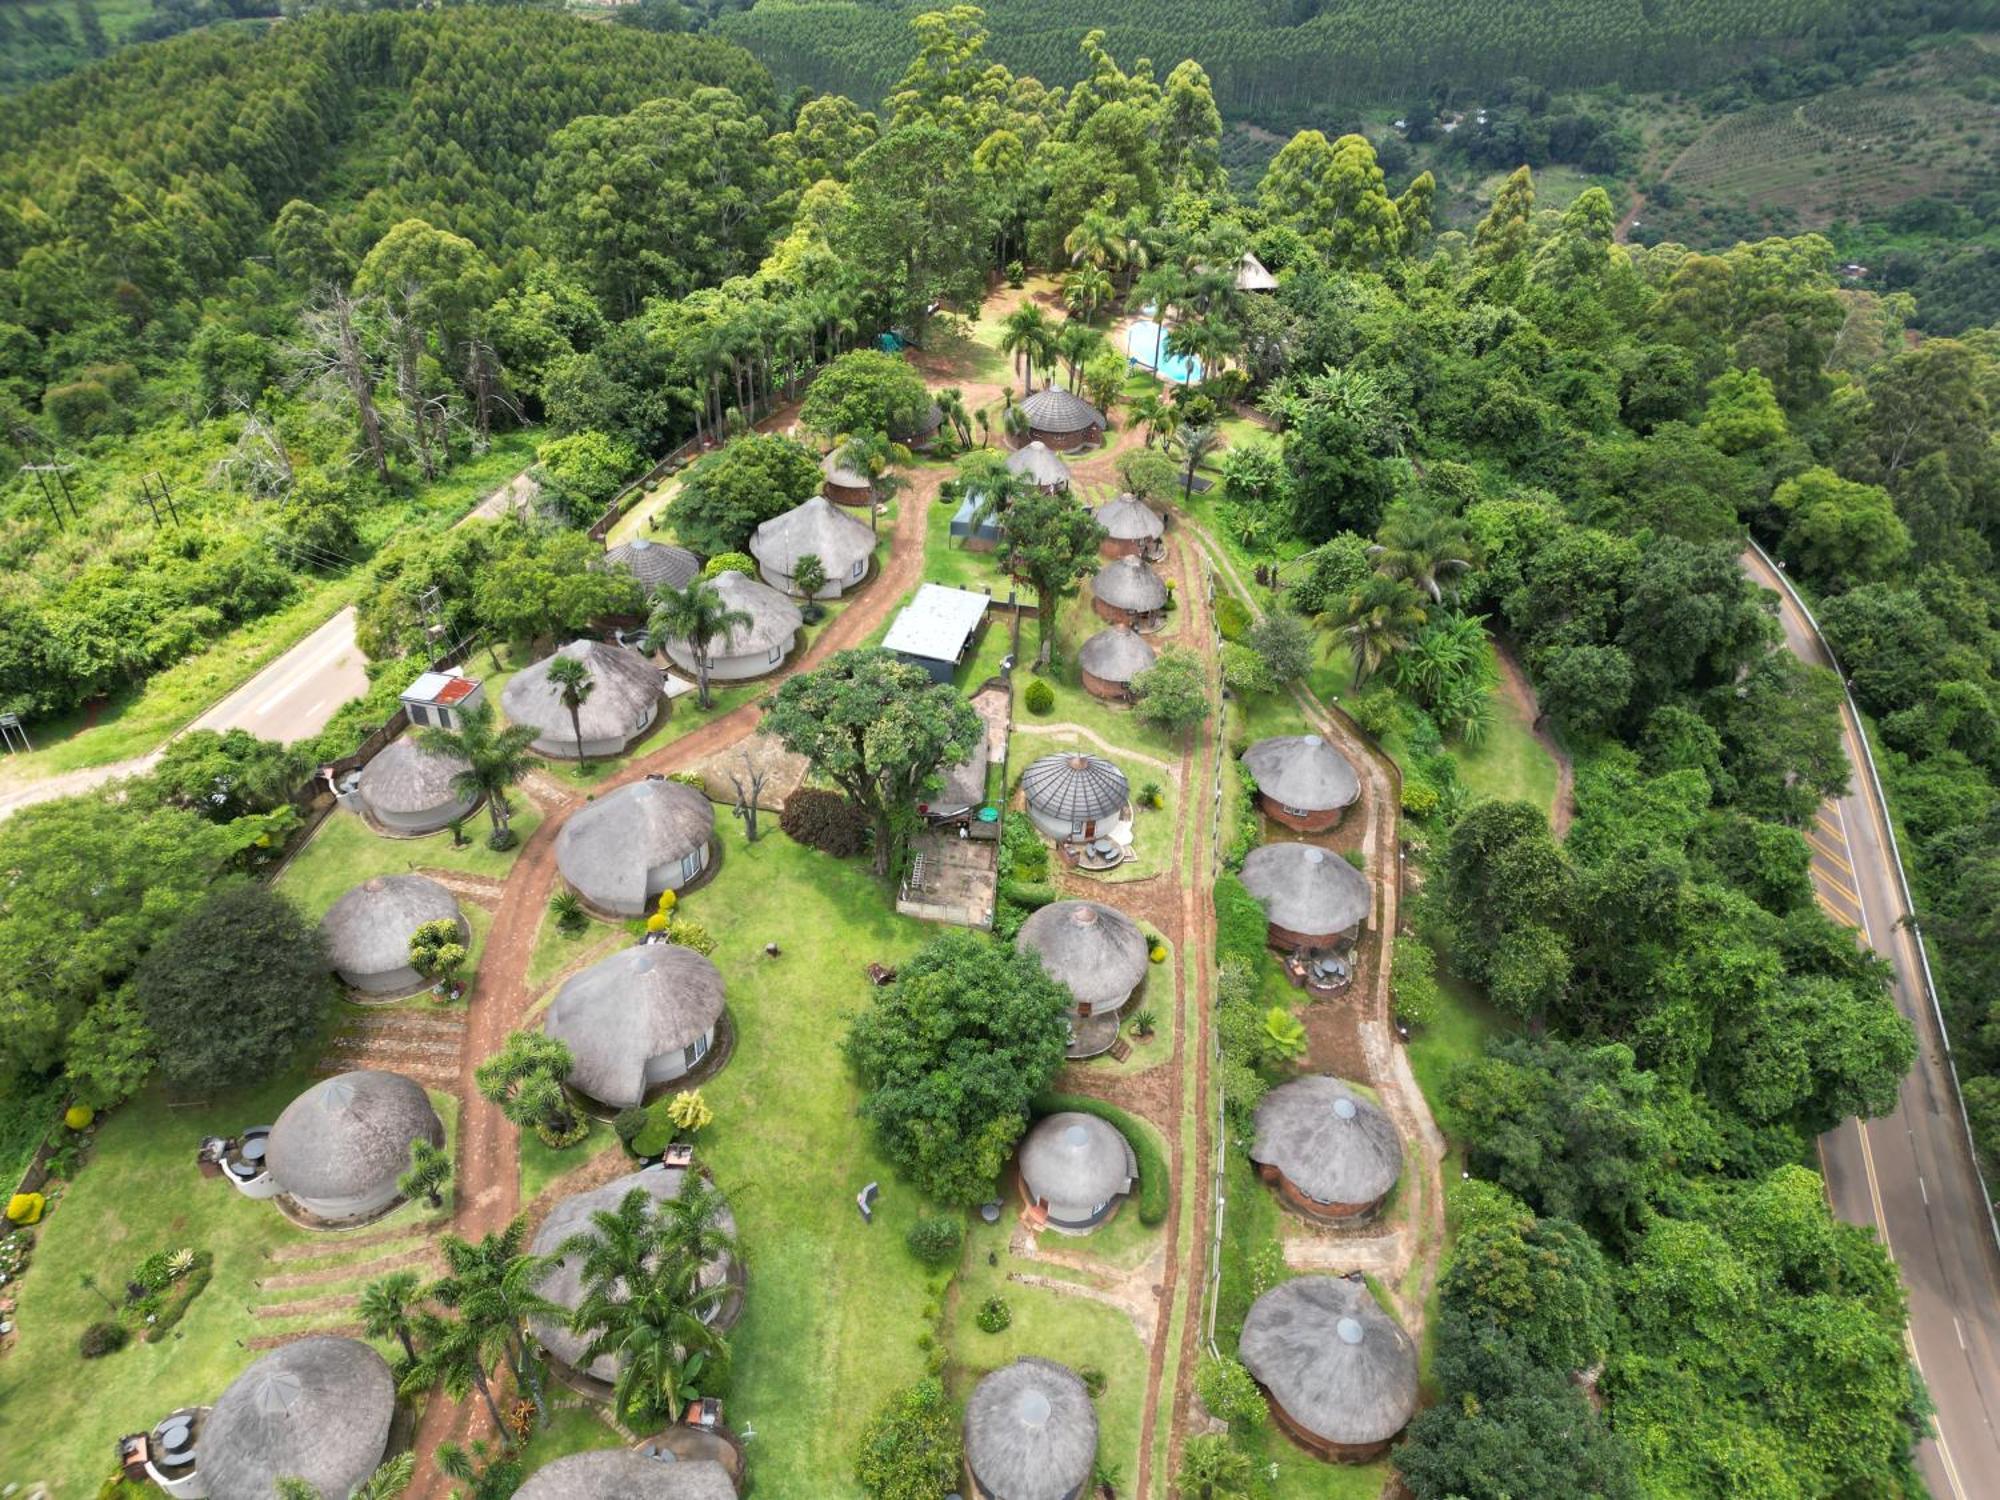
(388,1308)
(495,759)
(697,615)
(1153,412)
(992,487)
(455,1358)
(1192,443)
(951,402)
(876,456)
(1377,619)
(1086,290)
(572,682)
(429,1174)
(1095,241)
(1425,549)
(1076,343)
(1028,338)
(694,1226)
(491,1473)
(491,1287)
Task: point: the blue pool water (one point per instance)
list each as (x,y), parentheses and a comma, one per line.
(1143,345)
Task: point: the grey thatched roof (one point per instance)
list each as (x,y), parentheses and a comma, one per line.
(406,778)
(1072,1157)
(1095,949)
(624,694)
(931,420)
(1329,1355)
(1307,890)
(1302,771)
(1116,654)
(621,1474)
(1053,409)
(563,1284)
(1040,463)
(774,619)
(1331,1143)
(367,931)
(1128,519)
(965,783)
(350,1134)
(1127,583)
(845,475)
(608,846)
(623,1011)
(818,527)
(655,564)
(1251,275)
(1030,1431)
(319,1408)
(1075,786)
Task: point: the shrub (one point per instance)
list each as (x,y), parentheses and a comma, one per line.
(1240,924)
(1150,795)
(567,909)
(1158,952)
(1017,274)
(154,1273)
(629,1124)
(911,1446)
(79,1116)
(557,1139)
(25,1208)
(1229,1393)
(935,1239)
(1232,617)
(994,1315)
(1040,697)
(1243,1089)
(1144,1022)
(1093,1380)
(730,562)
(689,1112)
(1023,855)
(435,949)
(657,922)
(500,840)
(689,934)
(1032,894)
(101,1338)
(1155,1185)
(825,821)
(1413,982)
(1356,857)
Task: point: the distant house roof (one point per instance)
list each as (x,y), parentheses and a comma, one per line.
(1116,654)
(318,1409)
(441,687)
(1094,949)
(624,695)
(1306,890)
(1075,786)
(1302,771)
(820,528)
(965,783)
(655,564)
(937,623)
(1251,276)
(1127,519)
(928,423)
(1040,463)
(1031,1432)
(608,846)
(1329,1355)
(845,475)
(1329,1142)
(368,930)
(622,1474)
(348,1135)
(1127,583)
(1053,409)
(623,1011)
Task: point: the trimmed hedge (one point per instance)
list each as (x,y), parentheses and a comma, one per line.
(1156,1188)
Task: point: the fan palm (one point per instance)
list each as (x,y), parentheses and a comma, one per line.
(1378,618)
(1192,442)
(571,681)
(1424,549)
(495,759)
(1076,342)
(1154,413)
(697,615)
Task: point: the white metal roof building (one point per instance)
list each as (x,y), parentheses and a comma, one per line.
(935,629)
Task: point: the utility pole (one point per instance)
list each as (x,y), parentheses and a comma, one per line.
(168,496)
(41,479)
(146,490)
(10,730)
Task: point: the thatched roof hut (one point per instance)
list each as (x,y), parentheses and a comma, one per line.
(621,1474)
(1341,1376)
(1039,464)
(621,851)
(625,699)
(843,545)
(318,1409)
(1110,660)
(1333,1152)
(1069,794)
(1030,1432)
(1062,419)
(924,433)
(339,1147)
(655,564)
(1076,1168)
(408,789)
(1127,592)
(748,650)
(1310,896)
(368,930)
(1302,780)
(1132,528)
(843,483)
(1251,275)
(640,1018)
(1094,949)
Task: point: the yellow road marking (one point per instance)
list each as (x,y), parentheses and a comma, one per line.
(1815,844)
(1835,912)
(1839,889)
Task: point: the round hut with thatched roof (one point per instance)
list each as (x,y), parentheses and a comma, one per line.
(643,1017)
(656,565)
(1062,419)
(339,1147)
(1127,592)
(318,1409)
(1073,796)
(923,435)
(844,484)
(751,650)
(1040,466)
(1311,898)
(409,790)
(563,1285)
(1075,1170)
(1132,528)
(1332,1153)
(621,1474)
(368,931)
(624,702)
(621,851)
(1302,781)
(1095,950)
(843,545)
(1110,660)
(1030,1433)
(1340,1375)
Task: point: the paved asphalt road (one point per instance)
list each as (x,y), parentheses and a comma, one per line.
(294,696)
(1910,1173)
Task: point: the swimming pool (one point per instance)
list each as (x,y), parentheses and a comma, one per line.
(1143,342)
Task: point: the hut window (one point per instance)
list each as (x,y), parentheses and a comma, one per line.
(691,865)
(1299,812)
(777,655)
(417,714)
(697,1050)
(858,569)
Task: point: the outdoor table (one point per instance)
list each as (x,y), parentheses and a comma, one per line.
(253,1150)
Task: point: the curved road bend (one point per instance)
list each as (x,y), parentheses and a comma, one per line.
(1910,1174)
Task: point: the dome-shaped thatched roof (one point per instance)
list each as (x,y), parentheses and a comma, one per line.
(406,780)
(349,1135)
(625,1010)
(1306,890)
(1337,1364)
(1116,654)
(1072,1157)
(818,527)
(624,696)
(774,619)
(655,564)
(1039,463)
(319,1409)
(1127,519)
(368,930)
(608,847)
(1127,583)
(1053,409)
(1302,771)
(926,424)
(1030,1432)
(1075,786)
(621,1474)
(1328,1141)
(845,475)
(1094,949)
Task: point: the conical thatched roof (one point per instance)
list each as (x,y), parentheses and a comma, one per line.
(818,527)
(774,619)
(845,475)
(624,1011)
(1116,654)
(624,696)
(1305,889)
(350,1135)
(1072,1157)
(1030,1432)
(608,847)
(1095,949)
(405,779)
(319,1409)
(1127,583)
(1053,409)
(1328,1141)
(1251,275)
(1040,463)
(368,930)
(1337,1364)
(1302,771)
(1075,786)
(621,1474)
(1128,519)
(655,564)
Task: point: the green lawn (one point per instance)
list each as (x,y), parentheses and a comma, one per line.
(1074,624)
(540,1166)
(1465,1020)
(555,950)
(637,520)
(1152,828)
(346,851)
(945,561)
(575,1428)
